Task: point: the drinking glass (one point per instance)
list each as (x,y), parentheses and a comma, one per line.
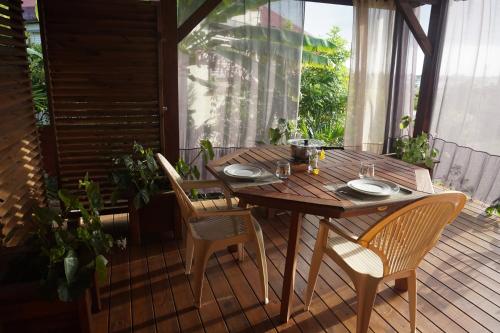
(366,170)
(283,169)
(313,161)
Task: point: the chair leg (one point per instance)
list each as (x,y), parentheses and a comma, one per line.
(261,258)
(412,297)
(202,253)
(366,289)
(315,264)
(189,252)
(241,252)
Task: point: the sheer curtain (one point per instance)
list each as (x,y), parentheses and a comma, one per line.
(373,25)
(466,115)
(239,72)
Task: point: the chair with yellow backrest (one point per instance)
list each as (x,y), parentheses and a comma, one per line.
(391,249)
(210,231)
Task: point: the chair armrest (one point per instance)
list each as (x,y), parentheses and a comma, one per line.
(339,231)
(225,212)
(191,184)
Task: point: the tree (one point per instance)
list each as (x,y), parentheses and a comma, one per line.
(324,88)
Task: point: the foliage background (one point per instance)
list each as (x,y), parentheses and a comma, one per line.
(324,88)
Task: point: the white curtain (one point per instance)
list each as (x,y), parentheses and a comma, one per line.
(373,27)
(466,114)
(239,72)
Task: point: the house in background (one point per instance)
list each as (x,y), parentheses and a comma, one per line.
(29,16)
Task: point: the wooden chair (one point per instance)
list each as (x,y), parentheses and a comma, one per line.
(390,249)
(210,231)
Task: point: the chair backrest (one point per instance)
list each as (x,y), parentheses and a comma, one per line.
(187,209)
(404,237)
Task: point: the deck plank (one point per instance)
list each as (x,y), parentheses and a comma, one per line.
(458,285)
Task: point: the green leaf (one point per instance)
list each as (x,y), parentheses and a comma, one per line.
(70,266)
(405,122)
(195,172)
(70,202)
(100,267)
(207,150)
(63,292)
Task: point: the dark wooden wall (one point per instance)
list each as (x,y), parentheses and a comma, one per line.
(21,179)
(103,73)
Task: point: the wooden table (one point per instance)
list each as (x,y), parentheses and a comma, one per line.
(304,193)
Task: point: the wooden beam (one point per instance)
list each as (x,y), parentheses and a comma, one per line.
(333,2)
(168,73)
(430,70)
(395,81)
(406,11)
(195,18)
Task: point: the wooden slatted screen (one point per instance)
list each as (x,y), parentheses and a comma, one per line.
(21,179)
(102,58)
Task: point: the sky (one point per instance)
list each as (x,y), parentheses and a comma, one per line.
(320,17)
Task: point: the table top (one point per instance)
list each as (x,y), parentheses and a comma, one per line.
(313,194)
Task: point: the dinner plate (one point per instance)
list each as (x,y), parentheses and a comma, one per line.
(373,186)
(242,171)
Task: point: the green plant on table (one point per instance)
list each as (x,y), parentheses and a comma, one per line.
(189,170)
(136,177)
(71,256)
(414,150)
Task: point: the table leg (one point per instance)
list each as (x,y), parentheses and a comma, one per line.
(290,266)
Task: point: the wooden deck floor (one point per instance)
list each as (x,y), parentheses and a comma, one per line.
(458,286)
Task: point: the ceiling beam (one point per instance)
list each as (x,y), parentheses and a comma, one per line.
(411,20)
(332,2)
(192,21)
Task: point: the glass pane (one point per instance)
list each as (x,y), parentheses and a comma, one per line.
(185,8)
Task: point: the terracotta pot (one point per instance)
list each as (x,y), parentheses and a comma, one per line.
(156,218)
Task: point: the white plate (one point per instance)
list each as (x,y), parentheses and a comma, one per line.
(373,186)
(242,171)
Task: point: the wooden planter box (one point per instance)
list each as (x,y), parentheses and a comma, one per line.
(23,310)
(157,218)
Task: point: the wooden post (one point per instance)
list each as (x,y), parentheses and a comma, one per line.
(395,81)
(430,70)
(169,90)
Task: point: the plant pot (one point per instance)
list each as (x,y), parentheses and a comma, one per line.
(22,309)
(157,217)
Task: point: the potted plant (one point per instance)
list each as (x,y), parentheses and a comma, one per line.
(189,170)
(46,283)
(137,180)
(415,150)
